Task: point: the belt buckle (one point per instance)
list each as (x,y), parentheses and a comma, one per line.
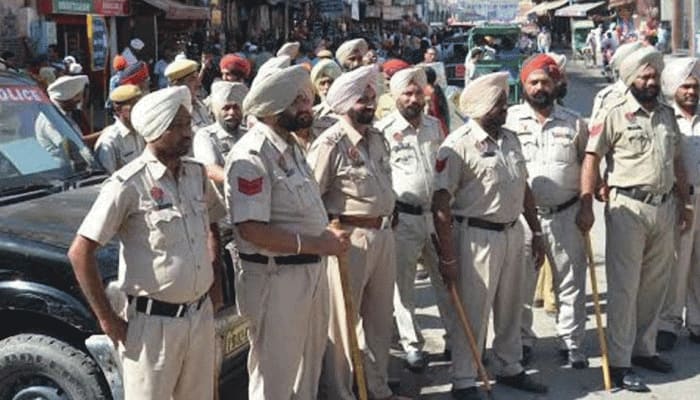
(386,223)
(545,210)
(181,309)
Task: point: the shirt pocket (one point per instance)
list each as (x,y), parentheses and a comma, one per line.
(637,140)
(165,228)
(529,147)
(490,170)
(357,181)
(563,149)
(201,213)
(405,159)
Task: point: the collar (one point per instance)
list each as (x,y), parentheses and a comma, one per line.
(352,133)
(276,140)
(680,115)
(403,124)
(122,130)
(632,105)
(155,167)
(479,133)
(221,132)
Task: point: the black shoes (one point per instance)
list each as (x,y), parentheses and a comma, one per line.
(523,382)
(665,340)
(575,358)
(625,378)
(415,361)
(653,363)
(527,356)
(470,393)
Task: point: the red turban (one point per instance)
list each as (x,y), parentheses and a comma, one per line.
(134,74)
(390,67)
(119,63)
(540,62)
(232,62)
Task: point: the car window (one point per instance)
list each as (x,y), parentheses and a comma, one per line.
(37,143)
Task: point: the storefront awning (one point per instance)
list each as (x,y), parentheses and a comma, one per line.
(175,10)
(542,8)
(577,10)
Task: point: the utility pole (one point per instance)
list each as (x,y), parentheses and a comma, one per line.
(676,26)
(286,20)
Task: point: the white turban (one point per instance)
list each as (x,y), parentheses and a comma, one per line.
(75,69)
(481,94)
(623,52)
(349,88)
(152,115)
(325,68)
(274,92)
(273,64)
(67,87)
(223,92)
(676,72)
(632,65)
(400,80)
(346,49)
(290,49)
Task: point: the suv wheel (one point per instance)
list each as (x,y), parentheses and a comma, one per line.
(45,368)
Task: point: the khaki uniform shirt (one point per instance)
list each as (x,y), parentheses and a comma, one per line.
(353,171)
(268,180)
(639,146)
(553,151)
(412,157)
(605,97)
(212,143)
(162,223)
(690,144)
(117,146)
(324,118)
(485,177)
(200,116)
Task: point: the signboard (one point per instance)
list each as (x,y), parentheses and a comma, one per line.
(493,10)
(22,94)
(334,7)
(355,10)
(101,7)
(97,41)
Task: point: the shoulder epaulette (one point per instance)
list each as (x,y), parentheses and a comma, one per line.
(129,170)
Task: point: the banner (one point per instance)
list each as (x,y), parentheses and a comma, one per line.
(492,10)
(97,41)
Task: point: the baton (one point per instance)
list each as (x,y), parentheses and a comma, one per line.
(351,321)
(598,317)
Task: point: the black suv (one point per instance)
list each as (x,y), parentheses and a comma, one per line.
(51,346)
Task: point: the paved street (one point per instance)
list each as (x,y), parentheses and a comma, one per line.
(564,383)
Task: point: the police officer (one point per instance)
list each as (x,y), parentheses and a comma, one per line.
(349,54)
(639,137)
(554,140)
(281,233)
(159,207)
(234,68)
(119,143)
(413,141)
(480,191)
(184,72)
(213,142)
(351,164)
(680,84)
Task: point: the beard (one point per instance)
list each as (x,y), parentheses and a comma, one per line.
(540,99)
(230,125)
(649,93)
(411,112)
(295,122)
(364,117)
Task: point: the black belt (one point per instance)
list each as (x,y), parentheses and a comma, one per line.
(559,208)
(643,195)
(281,260)
(408,208)
(149,306)
(488,225)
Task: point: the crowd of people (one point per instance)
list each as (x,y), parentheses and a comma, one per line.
(342,160)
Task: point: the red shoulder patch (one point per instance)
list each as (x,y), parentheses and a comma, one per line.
(596,130)
(440,164)
(250,187)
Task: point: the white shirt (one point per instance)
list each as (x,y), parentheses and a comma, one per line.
(690,144)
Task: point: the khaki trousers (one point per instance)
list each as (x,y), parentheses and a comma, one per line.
(169,358)
(639,254)
(287,306)
(490,277)
(413,241)
(684,284)
(372,270)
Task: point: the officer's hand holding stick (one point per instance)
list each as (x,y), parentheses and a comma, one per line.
(448,269)
(350,319)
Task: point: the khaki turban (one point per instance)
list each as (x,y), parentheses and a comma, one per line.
(290,49)
(153,114)
(349,88)
(67,87)
(634,64)
(623,52)
(481,94)
(273,93)
(676,72)
(325,68)
(346,49)
(403,78)
(223,93)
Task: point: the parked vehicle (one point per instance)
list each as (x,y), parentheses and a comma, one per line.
(51,346)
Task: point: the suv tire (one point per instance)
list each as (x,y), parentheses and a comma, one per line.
(40,361)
